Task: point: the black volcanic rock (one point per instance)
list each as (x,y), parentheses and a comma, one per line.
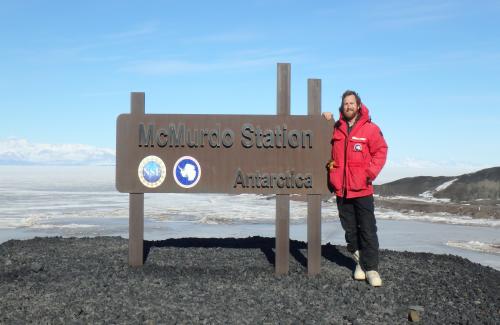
(232,281)
(411,186)
(483,185)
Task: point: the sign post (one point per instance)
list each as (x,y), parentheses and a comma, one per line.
(313,200)
(136,200)
(279,154)
(283,200)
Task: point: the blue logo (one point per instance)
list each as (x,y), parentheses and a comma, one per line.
(152,171)
(187,172)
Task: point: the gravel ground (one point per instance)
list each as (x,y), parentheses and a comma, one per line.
(232,281)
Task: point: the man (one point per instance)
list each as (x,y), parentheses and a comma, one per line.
(359,152)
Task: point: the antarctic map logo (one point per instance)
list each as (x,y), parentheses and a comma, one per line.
(152,171)
(187,172)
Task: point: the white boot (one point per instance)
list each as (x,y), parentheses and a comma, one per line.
(359,274)
(373,278)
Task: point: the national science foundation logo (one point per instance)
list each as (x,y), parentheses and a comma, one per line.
(152,171)
(187,172)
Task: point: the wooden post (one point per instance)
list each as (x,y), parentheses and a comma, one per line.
(313,200)
(283,200)
(136,203)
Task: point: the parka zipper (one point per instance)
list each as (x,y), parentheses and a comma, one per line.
(344,185)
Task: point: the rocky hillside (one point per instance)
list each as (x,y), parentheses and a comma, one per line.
(482,186)
(411,186)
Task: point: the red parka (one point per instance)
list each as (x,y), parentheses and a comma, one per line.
(358,157)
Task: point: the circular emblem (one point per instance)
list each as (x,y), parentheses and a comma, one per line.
(152,171)
(187,172)
(358,147)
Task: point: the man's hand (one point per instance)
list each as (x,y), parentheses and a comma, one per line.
(331,164)
(328,116)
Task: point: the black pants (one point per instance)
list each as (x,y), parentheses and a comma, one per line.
(357,216)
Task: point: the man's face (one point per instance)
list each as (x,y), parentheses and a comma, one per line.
(350,108)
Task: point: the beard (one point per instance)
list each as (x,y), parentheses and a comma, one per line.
(349,114)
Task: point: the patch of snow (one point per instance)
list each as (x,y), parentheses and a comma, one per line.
(418,199)
(445,185)
(437,217)
(429,195)
(474,245)
(426,195)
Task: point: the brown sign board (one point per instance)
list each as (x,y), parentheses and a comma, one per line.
(222,153)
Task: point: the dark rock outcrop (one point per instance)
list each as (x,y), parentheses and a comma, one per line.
(482,186)
(411,186)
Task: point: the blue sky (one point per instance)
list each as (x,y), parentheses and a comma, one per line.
(428,70)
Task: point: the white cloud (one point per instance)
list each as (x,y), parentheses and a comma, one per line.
(20,151)
(73,50)
(415,62)
(106,93)
(253,59)
(396,14)
(407,13)
(141,30)
(167,67)
(226,37)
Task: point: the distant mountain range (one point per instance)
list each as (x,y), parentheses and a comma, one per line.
(482,186)
(22,152)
